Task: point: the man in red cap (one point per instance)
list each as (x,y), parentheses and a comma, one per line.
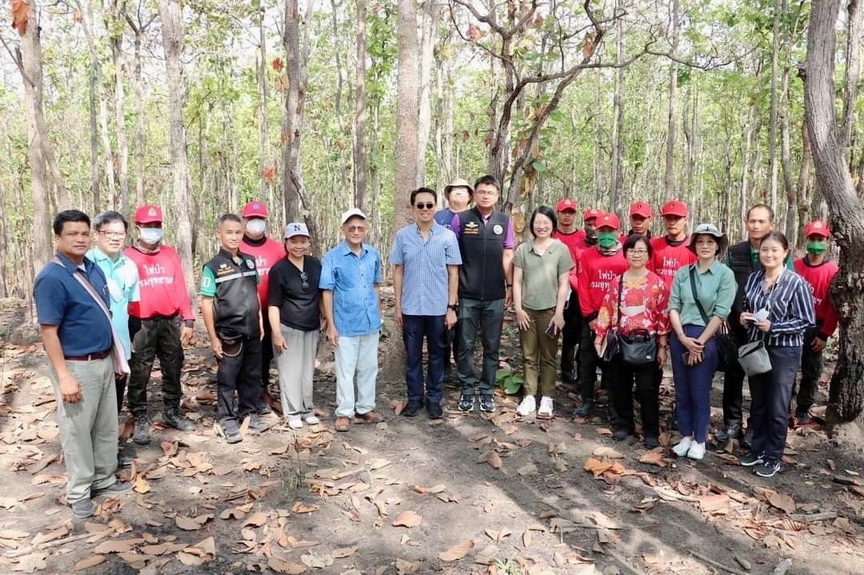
(573,238)
(598,266)
(160,324)
(640,220)
(819,273)
(266,252)
(671,252)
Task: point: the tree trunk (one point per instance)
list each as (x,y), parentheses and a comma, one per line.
(616,177)
(139,29)
(171,17)
(265,185)
(853,72)
(669,175)
(791,220)
(431,10)
(407,112)
(297,204)
(118,17)
(802,186)
(846,396)
(361,159)
(43,183)
(773,122)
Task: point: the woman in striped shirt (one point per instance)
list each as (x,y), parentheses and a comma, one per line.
(787,298)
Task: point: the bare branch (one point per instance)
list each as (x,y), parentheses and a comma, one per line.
(17,59)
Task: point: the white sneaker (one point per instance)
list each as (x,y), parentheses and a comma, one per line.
(683,446)
(546,407)
(696,451)
(310,419)
(527,406)
(295,423)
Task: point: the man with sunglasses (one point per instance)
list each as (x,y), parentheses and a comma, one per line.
(425,258)
(350,280)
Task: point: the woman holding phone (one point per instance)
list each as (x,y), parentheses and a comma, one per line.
(702,295)
(778,309)
(540,285)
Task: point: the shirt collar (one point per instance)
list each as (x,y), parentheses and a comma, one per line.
(434,229)
(97,255)
(345,250)
(70,266)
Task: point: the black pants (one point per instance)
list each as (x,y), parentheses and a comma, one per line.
(570,336)
(240,373)
(266,355)
(588,363)
(152,338)
(120,384)
(770,408)
(811,371)
(733,387)
(621,378)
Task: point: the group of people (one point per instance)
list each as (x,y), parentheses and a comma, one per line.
(621,302)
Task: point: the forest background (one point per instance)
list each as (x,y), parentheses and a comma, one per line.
(318,106)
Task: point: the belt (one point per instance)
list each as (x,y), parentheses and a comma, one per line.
(89,357)
(160,316)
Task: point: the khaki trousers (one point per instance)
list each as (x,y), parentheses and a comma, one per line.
(540,353)
(88,429)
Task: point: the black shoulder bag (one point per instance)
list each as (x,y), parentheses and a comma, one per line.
(726,345)
(638,348)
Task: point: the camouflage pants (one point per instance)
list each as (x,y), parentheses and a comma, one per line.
(155,337)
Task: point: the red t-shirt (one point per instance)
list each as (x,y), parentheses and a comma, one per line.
(574,241)
(667,259)
(266,254)
(820,277)
(593,275)
(161,282)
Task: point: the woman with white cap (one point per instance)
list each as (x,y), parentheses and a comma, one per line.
(702,295)
(294,313)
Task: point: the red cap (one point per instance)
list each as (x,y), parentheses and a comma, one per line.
(591,214)
(609,220)
(254,209)
(148,214)
(566,204)
(641,209)
(818,228)
(675,208)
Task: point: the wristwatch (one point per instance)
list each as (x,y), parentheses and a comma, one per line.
(453,306)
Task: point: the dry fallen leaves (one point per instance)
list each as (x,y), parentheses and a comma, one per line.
(457,551)
(92,561)
(285,567)
(781,501)
(408,519)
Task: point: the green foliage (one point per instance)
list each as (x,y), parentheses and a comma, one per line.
(510,382)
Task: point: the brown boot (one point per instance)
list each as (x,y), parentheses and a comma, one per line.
(343,423)
(370,417)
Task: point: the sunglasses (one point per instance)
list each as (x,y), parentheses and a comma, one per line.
(304,279)
(356,228)
(426,206)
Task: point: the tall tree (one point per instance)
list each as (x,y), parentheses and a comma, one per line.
(171,17)
(846,395)
(407,111)
(361,158)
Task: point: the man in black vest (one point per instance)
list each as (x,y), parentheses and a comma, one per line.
(486,242)
(743,258)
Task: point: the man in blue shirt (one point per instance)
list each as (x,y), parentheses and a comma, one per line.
(350,276)
(426,263)
(77,337)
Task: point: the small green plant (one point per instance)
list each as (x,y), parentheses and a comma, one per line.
(506,566)
(510,382)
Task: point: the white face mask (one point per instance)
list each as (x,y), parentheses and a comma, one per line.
(256,226)
(151,235)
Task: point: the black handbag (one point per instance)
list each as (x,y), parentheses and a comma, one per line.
(638,348)
(727,347)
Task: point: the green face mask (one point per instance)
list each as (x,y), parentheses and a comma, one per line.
(816,248)
(607,239)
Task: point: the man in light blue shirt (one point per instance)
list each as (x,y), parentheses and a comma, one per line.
(350,280)
(121,274)
(426,263)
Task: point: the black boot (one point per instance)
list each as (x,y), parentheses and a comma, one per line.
(731,431)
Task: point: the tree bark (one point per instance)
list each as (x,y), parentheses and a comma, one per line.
(790,218)
(407,112)
(118,17)
(853,72)
(773,122)
(616,177)
(171,17)
(297,204)
(669,174)
(846,395)
(139,28)
(361,158)
(431,11)
(802,186)
(265,182)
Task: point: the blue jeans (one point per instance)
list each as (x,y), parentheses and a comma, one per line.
(769,406)
(693,385)
(479,316)
(414,329)
(356,356)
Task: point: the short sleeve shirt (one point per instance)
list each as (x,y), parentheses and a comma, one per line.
(121,276)
(61,300)
(540,273)
(425,280)
(296,293)
(352,279)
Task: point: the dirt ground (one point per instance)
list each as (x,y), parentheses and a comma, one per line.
(467,494)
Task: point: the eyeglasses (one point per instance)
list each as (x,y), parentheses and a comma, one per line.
(356,228)
(637,252)
(426,206)
(304,279)
(112,235)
